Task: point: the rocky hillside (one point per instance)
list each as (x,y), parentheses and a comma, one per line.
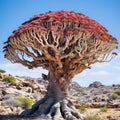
(24,87)
(15,96)
(96,95)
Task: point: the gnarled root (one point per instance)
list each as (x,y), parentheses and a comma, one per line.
(69,111)
(55,110)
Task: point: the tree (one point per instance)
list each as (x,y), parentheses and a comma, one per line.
(65,43)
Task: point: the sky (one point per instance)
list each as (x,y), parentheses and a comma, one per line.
(107,12)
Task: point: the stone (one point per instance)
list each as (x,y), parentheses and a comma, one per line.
(30,90)
(34,86)
(95,84)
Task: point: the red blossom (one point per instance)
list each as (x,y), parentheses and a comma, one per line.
(53,28)
(59,18)
(59,33)
(70,32)
(51,19)
(57,22)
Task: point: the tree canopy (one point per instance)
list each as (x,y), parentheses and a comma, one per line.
(60,40)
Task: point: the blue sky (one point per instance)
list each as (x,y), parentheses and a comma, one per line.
(106,12)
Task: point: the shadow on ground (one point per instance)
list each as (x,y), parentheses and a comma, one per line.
(18,117)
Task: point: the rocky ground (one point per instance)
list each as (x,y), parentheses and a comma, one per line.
(96,95)
(90,98)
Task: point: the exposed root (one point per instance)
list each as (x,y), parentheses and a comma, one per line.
(69,111)
(51,109)
(45,107)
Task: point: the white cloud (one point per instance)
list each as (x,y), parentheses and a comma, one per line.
(101,65)
(83,74)
(102,72)
(117,67)
(17,69)
(118,78)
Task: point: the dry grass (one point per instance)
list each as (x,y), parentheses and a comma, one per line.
(111,113)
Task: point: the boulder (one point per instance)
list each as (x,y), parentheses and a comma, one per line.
(95,84)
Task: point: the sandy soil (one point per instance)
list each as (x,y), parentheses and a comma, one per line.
(111,114)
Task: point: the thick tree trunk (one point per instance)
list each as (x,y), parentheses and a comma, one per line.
(58,86)
(55,104)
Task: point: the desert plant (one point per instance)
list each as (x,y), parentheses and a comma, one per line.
(81,90)
(27,102)
(9,79)
(104,109)
(82,109)
(2,71)
(93,117)
(117,92)
(114,95)
(13,102)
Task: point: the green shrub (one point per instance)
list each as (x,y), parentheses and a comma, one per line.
(82,109)
(114,95)
(9,79)
(26,101)
(2,71)
(80,89)
(12,102)
(94,117)
(104,109)
(117,92)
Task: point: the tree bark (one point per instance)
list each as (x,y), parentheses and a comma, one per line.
(58,85)
(56,103)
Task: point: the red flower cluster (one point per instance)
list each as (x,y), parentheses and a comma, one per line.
(49,20)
